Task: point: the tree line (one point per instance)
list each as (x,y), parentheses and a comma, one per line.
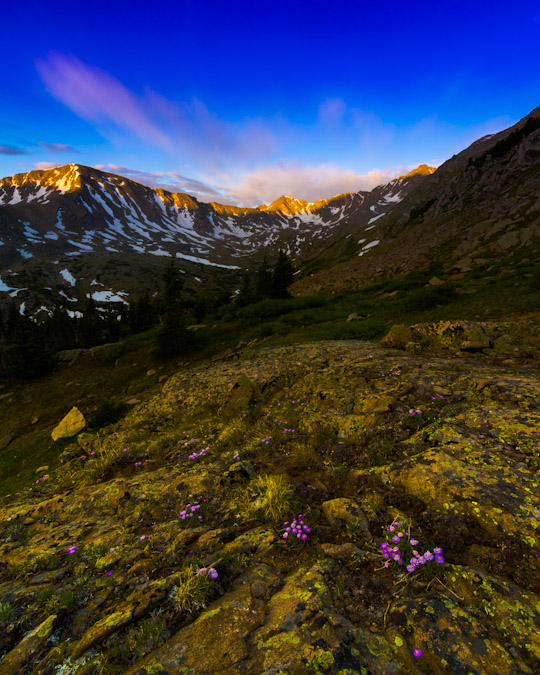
(28,347)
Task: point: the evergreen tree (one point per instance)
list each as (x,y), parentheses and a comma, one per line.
(223,298)
(90,325)
(263,283)
(141,314)
(282,277)
(12,321)
(173,338)
(112,322)
(30,354)
(174,285)
(200,309)
(246,295)
(59,329)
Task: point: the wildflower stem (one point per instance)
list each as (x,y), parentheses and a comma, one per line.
(450,591)
(387,608)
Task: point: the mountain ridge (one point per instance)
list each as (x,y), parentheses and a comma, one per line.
(108,231)
(75,211)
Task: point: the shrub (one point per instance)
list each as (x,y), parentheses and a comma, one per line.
(368,329)
(271,308)
(429,297)
(418,212)
(107,412)
(110,352)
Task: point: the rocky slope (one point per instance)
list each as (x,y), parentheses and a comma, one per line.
(481,204)
(159,546)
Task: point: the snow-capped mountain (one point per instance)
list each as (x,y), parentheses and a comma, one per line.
(59,227)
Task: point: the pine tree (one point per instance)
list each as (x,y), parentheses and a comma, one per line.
(12,321)
(282,277)
(30,354)
(90,325)
(263,283)
(246,295)
(173,338)
(112,322)
(59,329)
(141,314)
(200,309)
(174,285)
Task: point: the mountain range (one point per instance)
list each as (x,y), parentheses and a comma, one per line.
(74,230)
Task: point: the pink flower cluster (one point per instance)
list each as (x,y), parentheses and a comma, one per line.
(190,511)
(297,527)
(198,454)
(393,552)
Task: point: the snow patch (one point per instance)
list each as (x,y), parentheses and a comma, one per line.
(68,276)
(205,262)
(4,286)
(109,296)
(393,198)
(79,245)
(66,297)
(42,192)
(16,196)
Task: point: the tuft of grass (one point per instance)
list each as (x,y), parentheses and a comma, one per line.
(267,497)
(302,456)
(192,590)
(149,635)
(6,611)
(234,433)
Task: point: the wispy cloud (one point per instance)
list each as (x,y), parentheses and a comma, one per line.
(238,161)
(56,147)
(266,184)
(46,165)
(184,127)
(304,182)
(97,97)
(331,111)
(10,150)
(170,181)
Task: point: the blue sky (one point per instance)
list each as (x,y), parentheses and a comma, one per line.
(240,102)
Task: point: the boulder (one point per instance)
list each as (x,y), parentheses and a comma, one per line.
(6,440)
(240,472)
(31,643)
(72,423)
(343,510)
(397,337)
(240,396)
(88,442)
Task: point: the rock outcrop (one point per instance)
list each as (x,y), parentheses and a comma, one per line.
(168,555)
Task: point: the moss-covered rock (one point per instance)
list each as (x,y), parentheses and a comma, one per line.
(463,471)
(70,425)
(343,511)
(15,661)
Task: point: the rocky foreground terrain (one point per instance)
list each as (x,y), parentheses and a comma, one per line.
(159,547)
